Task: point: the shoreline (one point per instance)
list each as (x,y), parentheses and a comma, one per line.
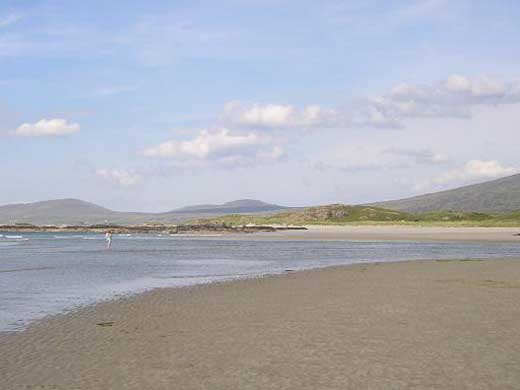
(143,229)
(227,279)
(305,232)
(19,317)
(210,319)
(123,298)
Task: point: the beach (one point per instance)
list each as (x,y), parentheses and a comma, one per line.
(259,195)
(404,232)
(406,325)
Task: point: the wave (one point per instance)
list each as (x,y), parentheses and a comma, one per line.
(7,241)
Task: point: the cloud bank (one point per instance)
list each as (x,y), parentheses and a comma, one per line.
(455,96)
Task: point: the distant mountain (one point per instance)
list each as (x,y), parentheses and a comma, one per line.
(53,211)
(496,196)
(64,211)
(234,207)
(79,212)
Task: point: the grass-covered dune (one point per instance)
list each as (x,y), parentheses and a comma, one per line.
(338,214)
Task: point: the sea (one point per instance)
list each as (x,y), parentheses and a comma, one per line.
(43,274)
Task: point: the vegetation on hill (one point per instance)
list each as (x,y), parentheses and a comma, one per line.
(492,197)
(338,214)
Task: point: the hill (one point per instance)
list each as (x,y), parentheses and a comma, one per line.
(338,214)
(234,207)
(79,212)
(496,196)
(65,211)
(330,214)
(492,203)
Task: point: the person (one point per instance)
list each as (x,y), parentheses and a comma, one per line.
(108,238)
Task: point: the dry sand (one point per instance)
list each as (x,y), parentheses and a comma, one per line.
(396,232)
(411,325)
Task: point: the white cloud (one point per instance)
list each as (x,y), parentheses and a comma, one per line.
(119,176)
(454,97)
(277,115)
(479,88)
(472,171)
(218,146)
(205,145)
(47,128)
(476,169)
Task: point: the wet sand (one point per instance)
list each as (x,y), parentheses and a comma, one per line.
(410,325)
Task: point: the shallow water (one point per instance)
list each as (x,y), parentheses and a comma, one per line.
(47,273)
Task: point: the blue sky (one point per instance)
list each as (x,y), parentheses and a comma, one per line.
(151,105)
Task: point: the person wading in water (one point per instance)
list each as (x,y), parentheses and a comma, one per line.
(108,238)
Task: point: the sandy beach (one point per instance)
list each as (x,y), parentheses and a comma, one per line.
(409,325)
(404,233)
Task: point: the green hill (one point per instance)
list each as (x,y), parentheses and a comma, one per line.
(338,214)
(331,214)
(496,196)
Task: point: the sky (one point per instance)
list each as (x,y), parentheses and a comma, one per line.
(154,105)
